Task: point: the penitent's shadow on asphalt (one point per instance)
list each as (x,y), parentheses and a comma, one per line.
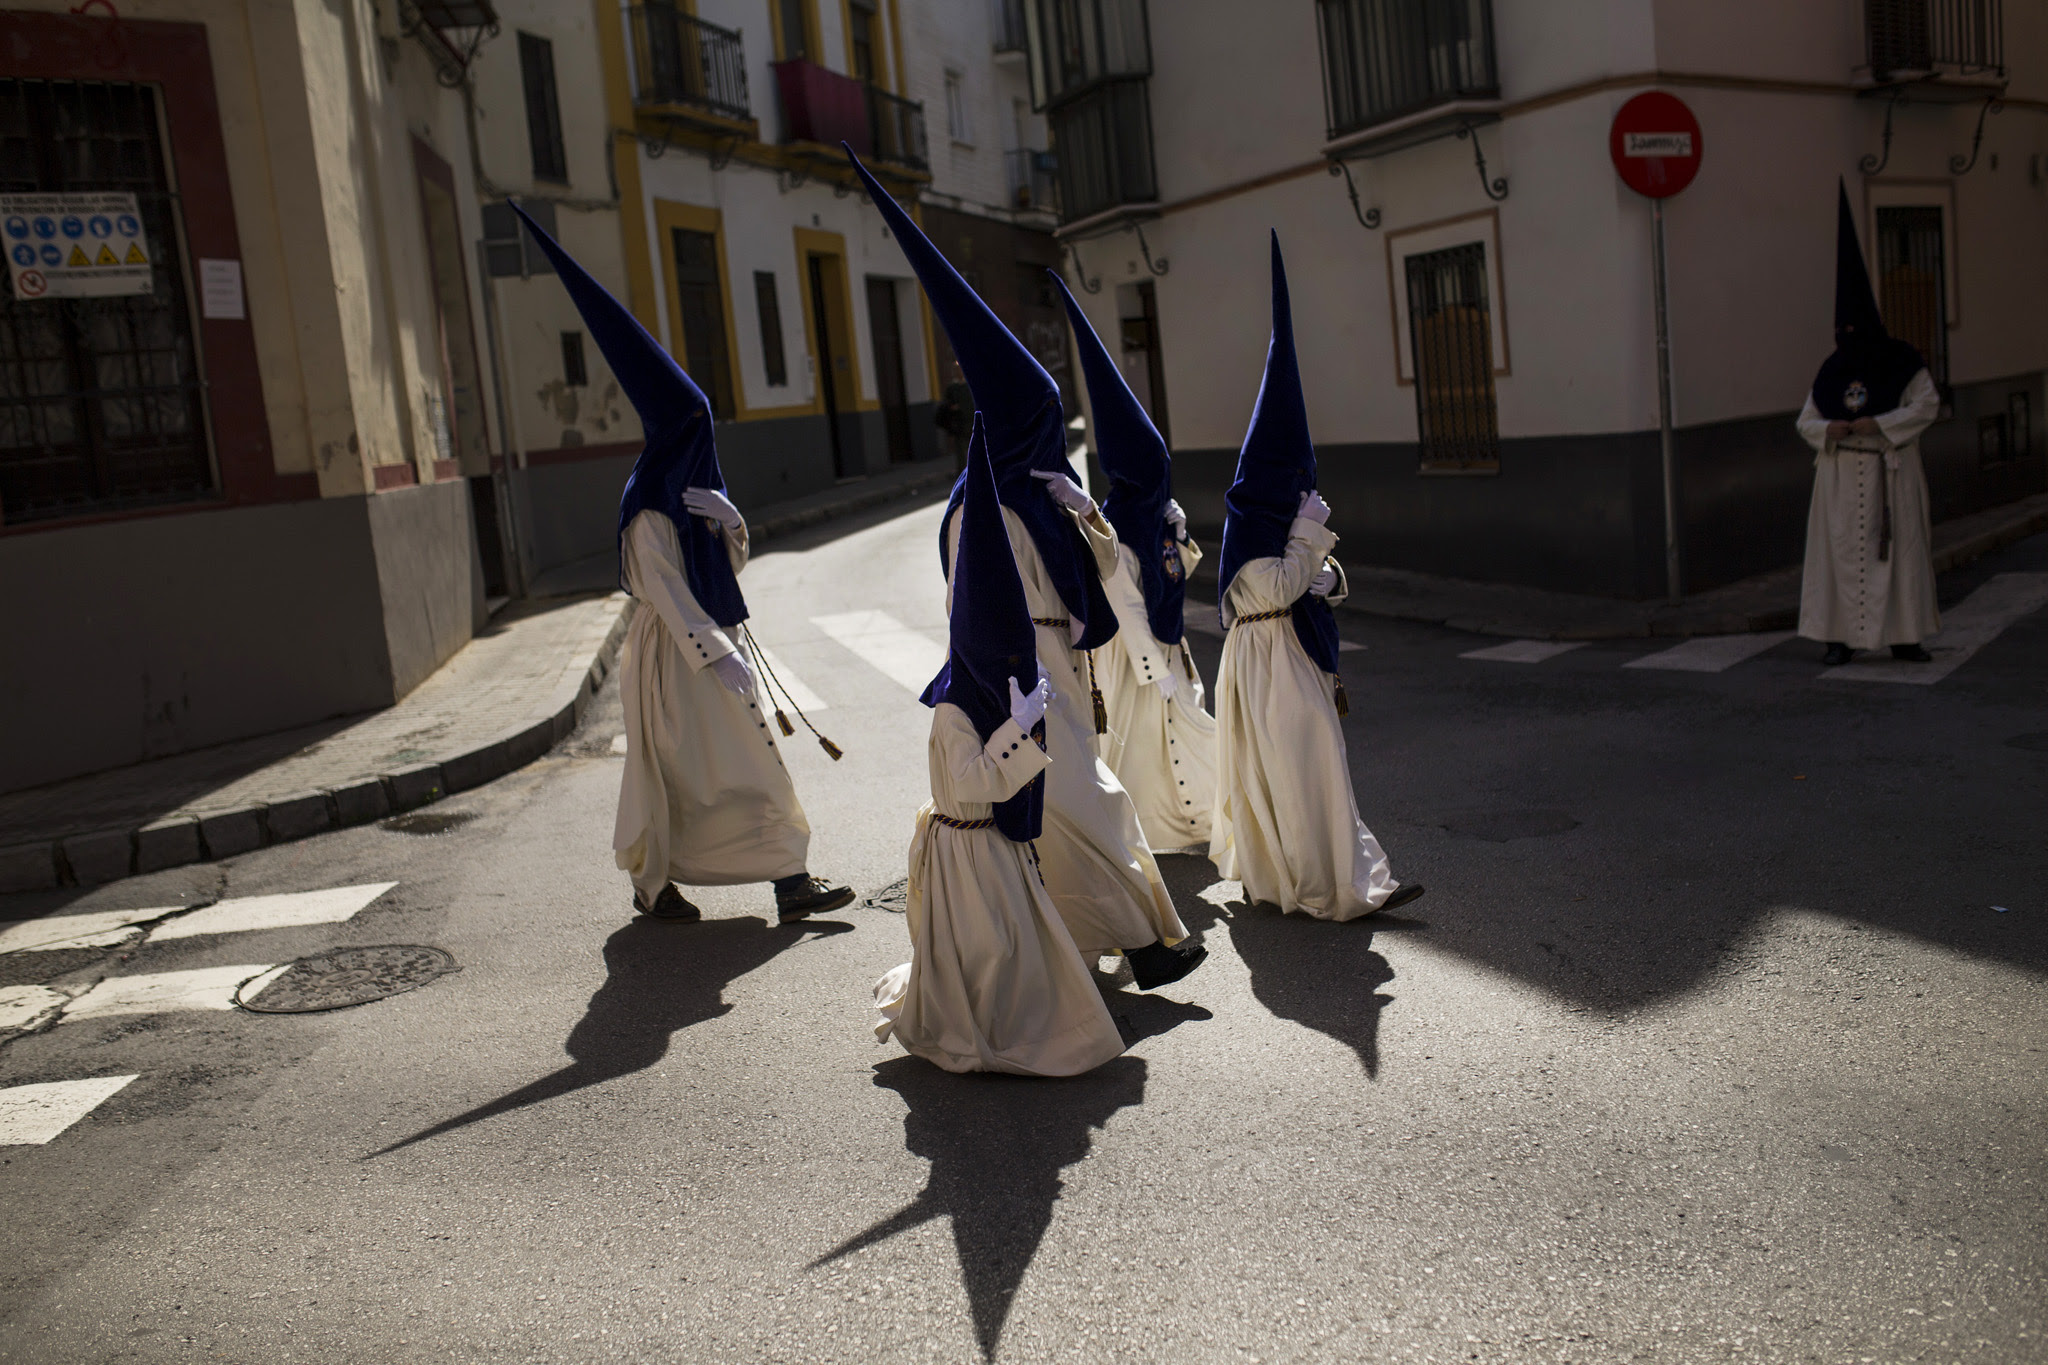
(997,1145)
(659,979)
(1315,973)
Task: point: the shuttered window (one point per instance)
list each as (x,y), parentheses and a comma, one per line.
(543,109)
(702,302)
(770,309)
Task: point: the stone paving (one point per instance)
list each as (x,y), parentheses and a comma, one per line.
(503,700)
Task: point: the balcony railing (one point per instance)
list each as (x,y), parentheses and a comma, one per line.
(1006,25)
(1921,39)
(1034,179)
(679,59)
(825,107)
(1103,141)
(1076,44)
(1387,59)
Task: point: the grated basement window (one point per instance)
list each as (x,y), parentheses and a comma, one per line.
(1451,339)
(101,402)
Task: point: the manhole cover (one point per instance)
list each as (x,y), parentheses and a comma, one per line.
(893,897)
(1499,826)
(2037,741)
(349,976)
(429,821)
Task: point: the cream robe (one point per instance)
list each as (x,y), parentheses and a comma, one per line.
(1287,823)
(1097,866)
(705,799)
(994,982)
(1847,593)
(1162,749)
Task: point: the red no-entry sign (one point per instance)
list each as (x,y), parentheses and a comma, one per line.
(1655,143)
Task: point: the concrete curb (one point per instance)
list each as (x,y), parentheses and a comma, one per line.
(97,856)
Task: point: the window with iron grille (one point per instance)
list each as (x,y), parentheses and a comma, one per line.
(1386,58)
(543,109)
(702,300)
(1912,282)
(1090,64)
(770,309)
(1450,332)
(102,405)
(508,248)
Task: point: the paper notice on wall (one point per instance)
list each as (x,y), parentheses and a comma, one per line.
(71,246)
(220,289)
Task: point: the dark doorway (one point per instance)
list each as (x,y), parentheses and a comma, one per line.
(886,324)
(701,297)
(1144,363)
(831,343)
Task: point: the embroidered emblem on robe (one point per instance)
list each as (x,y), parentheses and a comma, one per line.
(1170,560)
(1855,396)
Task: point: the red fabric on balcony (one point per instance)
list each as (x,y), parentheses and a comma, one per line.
(822,106)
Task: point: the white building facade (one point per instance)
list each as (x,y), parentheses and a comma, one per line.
(1439,174)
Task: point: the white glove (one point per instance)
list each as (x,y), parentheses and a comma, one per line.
(1066,493)
(1325,579)
(709,502)
(1313,508)
(1178,518)
(1027,711)
(1168,682)
(732,670)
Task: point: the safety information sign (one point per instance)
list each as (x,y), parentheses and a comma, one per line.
(69,246)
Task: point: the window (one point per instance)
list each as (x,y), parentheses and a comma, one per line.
(543,109)
(101,405)
(702,300)
(1451,339)
(861,18)
(796,29)
(957,125)
(772,355)
(1089,64)
(1386,58)
(509,249)
(574,373)
(1912,280)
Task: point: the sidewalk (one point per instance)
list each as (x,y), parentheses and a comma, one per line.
(1766,602)
(505,699)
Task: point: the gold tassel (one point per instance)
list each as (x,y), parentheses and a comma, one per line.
(1101,711)
(832,750)
(1186,662)
(1343,702)
(783,721)
(776,685)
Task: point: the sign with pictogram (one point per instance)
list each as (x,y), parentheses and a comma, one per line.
(75,245)
(1655,144)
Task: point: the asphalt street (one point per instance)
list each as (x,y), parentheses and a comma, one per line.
(1720,1035)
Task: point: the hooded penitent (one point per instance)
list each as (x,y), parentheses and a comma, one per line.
(1275,467)
(676,417)
(1870,369)
(992,639)
(1021,406)
(1140,471)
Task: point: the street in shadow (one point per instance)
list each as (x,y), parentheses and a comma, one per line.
(997,1145)
(659,979)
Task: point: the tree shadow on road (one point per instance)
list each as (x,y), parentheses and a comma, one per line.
(659,979)
(1319,974)
(997,1145)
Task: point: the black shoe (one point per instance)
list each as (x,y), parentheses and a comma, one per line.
(1412,891)
(1912,654)
(1157,965)
(1837,655)
(669,905)
(814,895)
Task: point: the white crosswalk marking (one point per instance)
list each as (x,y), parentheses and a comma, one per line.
(805,699)
(205,988)
(1711,653)
(97,929)
(31,1115)
(1976,621)
(893,649)
(274,912)
(21,1006)
(1524,651)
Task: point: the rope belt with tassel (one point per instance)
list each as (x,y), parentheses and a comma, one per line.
(949,822)
(1094,688)
(1343,701)
(832,751)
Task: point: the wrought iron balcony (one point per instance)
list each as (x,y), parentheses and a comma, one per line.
(1034,179)
(1392,61)
(825,107)
(1913,41)
(1103,143)
(682,62)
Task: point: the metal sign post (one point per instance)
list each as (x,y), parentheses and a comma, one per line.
(1655,146)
